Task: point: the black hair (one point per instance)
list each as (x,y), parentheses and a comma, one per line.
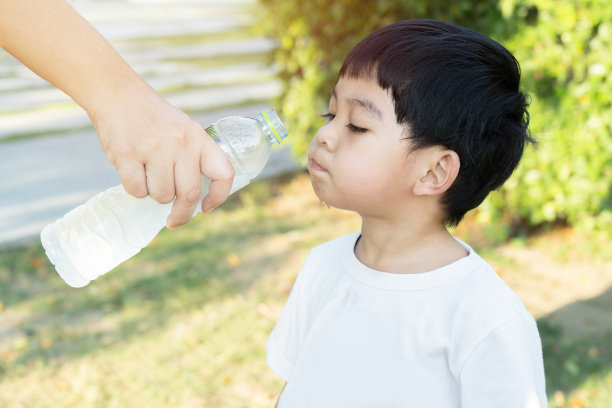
(454,87)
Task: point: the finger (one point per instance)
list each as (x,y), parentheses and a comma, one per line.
(187,183)
(132,176)
(215,166)
(160,181)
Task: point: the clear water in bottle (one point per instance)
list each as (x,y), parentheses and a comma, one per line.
(113,226)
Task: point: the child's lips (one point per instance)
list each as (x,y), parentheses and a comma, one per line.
(315,166)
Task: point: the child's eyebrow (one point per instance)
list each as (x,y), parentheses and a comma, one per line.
(369,106)
(364,103)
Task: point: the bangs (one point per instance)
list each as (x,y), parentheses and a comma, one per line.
(360,66)
(384,58)
(368,61)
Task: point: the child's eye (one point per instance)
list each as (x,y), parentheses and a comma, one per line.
(356,129)
(352,128)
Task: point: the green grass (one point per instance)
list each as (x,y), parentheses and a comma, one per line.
(578,372)
(184,323)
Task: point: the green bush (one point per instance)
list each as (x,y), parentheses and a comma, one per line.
(561,45)
(567,63)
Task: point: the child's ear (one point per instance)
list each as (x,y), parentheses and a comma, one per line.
(440,172)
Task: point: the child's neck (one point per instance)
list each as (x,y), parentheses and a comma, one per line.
(410,247)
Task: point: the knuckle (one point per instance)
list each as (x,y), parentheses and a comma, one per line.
(163,198)
(194,127)
(181,136)
(113,159)
(137,192)
(181,139)
(227,173)
(116,159)
(193,196)
(121,154)
(132,186)
(154,145)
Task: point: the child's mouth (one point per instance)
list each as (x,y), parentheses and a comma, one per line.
(313,165)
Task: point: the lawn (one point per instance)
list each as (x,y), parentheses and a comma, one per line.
(184,323)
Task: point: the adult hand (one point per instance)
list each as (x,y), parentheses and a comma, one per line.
(160,151)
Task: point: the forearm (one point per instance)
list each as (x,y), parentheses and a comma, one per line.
(156,148)
(58,44)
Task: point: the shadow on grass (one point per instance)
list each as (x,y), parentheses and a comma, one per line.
(577,343)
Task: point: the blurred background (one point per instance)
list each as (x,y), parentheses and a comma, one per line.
(184,323)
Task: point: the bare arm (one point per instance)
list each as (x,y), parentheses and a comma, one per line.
(157,149)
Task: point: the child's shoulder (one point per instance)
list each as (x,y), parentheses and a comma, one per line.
(486,301)
(326,261)
(485,312)
(484,290)
(331,251)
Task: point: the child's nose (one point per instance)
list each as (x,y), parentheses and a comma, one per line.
(325,137)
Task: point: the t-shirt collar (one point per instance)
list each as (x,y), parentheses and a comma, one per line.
(409,281)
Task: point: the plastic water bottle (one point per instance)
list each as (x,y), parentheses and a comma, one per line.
(113,226)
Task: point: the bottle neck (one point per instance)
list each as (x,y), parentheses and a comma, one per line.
(271,126)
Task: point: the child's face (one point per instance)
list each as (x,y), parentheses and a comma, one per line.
(359,159)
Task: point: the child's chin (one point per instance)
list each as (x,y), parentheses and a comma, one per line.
(317,190)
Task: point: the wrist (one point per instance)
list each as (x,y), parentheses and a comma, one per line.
(123,95)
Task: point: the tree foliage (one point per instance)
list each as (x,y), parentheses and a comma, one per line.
(565,51)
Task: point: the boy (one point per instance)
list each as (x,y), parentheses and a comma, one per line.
(425,120)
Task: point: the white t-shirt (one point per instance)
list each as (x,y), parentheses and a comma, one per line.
(351,336)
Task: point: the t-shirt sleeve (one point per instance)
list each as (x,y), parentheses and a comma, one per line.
(505,369)
(283,345)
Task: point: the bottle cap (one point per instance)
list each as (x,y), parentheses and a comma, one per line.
(271,126)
